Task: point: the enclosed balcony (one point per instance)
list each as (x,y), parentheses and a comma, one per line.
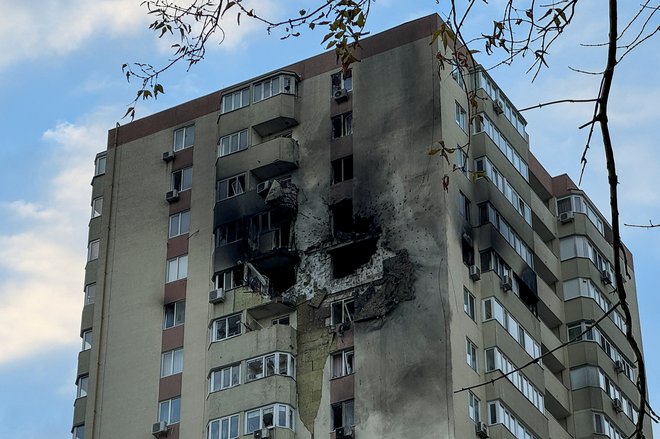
(272,158)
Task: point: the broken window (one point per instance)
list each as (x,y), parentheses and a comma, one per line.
(342,363)
(342,169)
(277,363)
(342,216)
(226,327)
(342,414)
(283,320)
(464,206)
(342,311)
(231,187)
(342,80)
(342,125)
(182,179)
(230,279)
(229,233)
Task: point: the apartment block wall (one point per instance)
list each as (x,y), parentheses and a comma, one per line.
(410,325)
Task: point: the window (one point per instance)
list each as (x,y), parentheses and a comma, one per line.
(90,293)
(342,363)
(231,187)
(87,340)
(224,428)
(232,143)
(283,320)
(472,356)
(484,165)
(225,378)
(179,224)
(464,206)
(492,309)
(177,268)
(97,207)
(234,101)
(474,409)
(276,415)
(496,360)
(342,80)
(229,233)
(342,169)
(277,363)
(93,250)
(175,314)
(458,75)
(468,303)
(484,124)
(169,411)
(342,311)
(461,117)
(342,125)
(498,413)
(182,179)
(99,165)
(342,414)
(171,362)
(226,327)
(584,287)
(230,279)
(79,432)
(461,160)
(273,86)
(488,214)
(83,382)
(184,138)
(604,426)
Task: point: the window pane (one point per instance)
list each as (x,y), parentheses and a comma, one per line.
(283,361)
(270,365)
(175,411)
(186,182)
(255,369)
(190,136)
(253,421)
(234,325)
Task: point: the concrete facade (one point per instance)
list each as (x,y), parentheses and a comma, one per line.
(294,266)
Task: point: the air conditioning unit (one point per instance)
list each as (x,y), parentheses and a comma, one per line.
(168,156)
(498,108)
(264,433)
(475,273)
(481,429)
(159,429)
(605,277)
(507,284)
(566,217)
(616,405)
(343,433)
(340,95)
(618,366)
(172,196)
(262,188)
(217,296)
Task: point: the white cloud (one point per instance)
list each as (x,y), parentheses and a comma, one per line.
(59,27)
(42,261)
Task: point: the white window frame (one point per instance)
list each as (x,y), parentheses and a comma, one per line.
(276,411)
(82,384)
(229,279)
(345,361)
(178,314)
(282,320)
(78,432)
(236,100)
(462,161)
(273,86)
(100,164)
(90,293)
(236,184)
(169,405)
(177,268)
(171,362)
(472,354)
(343,305)
(276,358)
(93,249)
(186,135)
(185,181)
(469,304)
(341,81)
(474,407)
(179,224)
(350,420)
(97,207)
(226,335)
(86,340)
(234,142)
(224,427)
(219,377)
(461,116)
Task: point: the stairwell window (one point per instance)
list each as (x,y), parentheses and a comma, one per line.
(93,250)
(87,340)
(461,117)
(342,363)
(169,411)
(342,81)
(184,138)
(97,207)
(343,414)
(182,179)
(81,386)
(99,165)
(175,314)
(90,293)
(342,169)
(342,125)
(171,362)
(179,224)
(231,187)
(177,268)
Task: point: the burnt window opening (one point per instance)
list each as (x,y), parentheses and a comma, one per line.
(229,279)
(229,233)
(468,250)
(342,125)
(342,217)
(342,415)
(342,169)
(464,206)
(342,80)
(348,258)
(342,311)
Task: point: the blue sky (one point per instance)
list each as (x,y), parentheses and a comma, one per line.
(61,88)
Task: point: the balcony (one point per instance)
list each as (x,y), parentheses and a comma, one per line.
(557,397)
(232,209)
(273,157)
(273,338)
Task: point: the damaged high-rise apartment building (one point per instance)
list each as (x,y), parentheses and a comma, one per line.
(279,259)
